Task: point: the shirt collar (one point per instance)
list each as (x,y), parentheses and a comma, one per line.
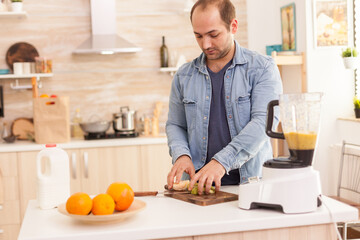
(238,58)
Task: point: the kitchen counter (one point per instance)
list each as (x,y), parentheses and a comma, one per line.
(22,145)
(167,218)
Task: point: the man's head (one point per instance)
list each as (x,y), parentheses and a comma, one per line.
(214,24)
(225,8)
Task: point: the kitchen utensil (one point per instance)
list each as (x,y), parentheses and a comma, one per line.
(24,127)
(125,121)
(95,127)
(11,138)
(20,52)
(290,184)
(117,216)
(34,87)
(53,185)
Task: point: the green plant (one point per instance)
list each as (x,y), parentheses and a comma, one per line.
(16,0)
(349,52)
(356,103)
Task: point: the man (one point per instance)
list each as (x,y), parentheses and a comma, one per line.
(217,107)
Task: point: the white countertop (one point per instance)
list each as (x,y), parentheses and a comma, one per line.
(166,217)
(22,145)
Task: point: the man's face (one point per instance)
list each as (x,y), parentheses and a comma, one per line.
(213,37)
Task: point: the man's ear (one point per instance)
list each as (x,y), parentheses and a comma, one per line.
(234,26)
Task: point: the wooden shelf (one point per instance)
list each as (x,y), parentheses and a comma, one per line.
(9,14)
(288,60)
(13,76)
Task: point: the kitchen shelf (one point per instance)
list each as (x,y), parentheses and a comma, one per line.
(286,60)
(17,86)
(13,76)
(9,14)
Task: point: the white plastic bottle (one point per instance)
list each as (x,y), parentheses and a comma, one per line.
(76,129)
(53,184)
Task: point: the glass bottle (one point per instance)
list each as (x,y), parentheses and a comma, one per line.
(164,54)
(76,129)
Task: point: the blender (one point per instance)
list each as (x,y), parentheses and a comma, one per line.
(289,184)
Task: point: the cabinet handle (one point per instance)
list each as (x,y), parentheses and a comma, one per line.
(86,160)
(73,163)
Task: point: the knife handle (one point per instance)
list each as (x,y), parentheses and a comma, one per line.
(143,194)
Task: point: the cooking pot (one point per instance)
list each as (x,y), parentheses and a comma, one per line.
(95,127)
(125,121)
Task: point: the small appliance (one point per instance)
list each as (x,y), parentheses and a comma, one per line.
(289,184)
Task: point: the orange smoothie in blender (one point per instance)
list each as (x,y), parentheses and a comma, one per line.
(301,145)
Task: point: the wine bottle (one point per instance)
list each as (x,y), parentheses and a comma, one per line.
(164,54)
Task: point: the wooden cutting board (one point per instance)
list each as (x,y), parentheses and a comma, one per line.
(24,127)
(204,200)
(20,52)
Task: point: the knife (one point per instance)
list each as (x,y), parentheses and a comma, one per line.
(155,193)
(163,193)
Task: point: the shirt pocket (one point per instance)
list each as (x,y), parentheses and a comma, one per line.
(244,108)
(190,112)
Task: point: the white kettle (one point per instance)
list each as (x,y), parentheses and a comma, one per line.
(53,184)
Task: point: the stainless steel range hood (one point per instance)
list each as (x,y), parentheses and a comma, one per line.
(104,39)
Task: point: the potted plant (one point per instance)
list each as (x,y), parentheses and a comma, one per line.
(350,58)
(16,5)
(357,107)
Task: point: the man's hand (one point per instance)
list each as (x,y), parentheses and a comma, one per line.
(211,172)
(182,164)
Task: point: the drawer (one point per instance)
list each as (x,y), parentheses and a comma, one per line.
(9,231)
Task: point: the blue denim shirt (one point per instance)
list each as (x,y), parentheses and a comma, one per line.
(250,83)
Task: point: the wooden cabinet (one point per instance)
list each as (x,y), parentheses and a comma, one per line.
(9,197)
(155,165)
(92,170)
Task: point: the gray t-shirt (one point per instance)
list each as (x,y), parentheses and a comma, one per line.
(219,133)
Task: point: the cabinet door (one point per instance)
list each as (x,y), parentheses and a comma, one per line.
(9,191)
(102,166)
(27,178)
(155,166)
(9,232)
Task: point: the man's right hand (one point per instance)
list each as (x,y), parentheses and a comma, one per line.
(182,164)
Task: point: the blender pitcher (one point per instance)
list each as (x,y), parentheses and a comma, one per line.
(300,120)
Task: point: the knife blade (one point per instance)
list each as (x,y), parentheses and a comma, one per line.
(163,193)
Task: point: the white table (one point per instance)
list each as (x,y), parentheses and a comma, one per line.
(167,218)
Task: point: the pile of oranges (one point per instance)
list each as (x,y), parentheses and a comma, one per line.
(119,196)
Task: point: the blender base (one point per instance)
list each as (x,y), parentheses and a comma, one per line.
(294,190)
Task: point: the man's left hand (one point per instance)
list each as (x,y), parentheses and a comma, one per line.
(211,172)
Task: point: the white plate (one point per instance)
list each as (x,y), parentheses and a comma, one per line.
(117,216)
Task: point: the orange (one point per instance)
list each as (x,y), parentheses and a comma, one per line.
(79,203)
(103,204)
(122,194)
(44,96)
